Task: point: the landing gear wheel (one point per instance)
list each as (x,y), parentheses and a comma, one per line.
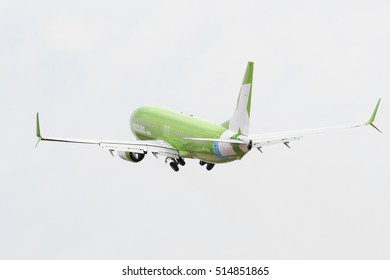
(202,162)
(174,166)
(210,166)
(181,161)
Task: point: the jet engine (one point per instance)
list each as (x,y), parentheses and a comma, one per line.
(247,141)
(130,156)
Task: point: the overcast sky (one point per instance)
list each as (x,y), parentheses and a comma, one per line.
(86,65)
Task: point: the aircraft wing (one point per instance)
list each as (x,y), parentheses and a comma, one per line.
(156,147)
(261,140)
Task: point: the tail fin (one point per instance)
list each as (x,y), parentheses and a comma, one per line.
(240,120)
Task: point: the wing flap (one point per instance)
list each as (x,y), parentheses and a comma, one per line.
(265,142)
(157,147)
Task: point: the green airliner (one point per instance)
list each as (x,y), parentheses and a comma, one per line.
(175,136)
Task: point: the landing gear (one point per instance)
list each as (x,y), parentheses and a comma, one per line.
(210,166)
(174,166)
(181,161)
(172,163)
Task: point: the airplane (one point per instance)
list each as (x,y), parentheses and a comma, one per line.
(177,136)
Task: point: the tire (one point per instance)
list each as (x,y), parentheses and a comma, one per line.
(210,166)
(181,161)
(174,166)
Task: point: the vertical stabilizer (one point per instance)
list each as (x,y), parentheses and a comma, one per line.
(240,120)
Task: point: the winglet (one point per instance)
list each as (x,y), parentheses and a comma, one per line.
(372,119)
(38,131)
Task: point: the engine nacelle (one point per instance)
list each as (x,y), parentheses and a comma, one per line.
(130,156)
(247,141)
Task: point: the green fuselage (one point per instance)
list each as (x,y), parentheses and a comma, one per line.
(154,123)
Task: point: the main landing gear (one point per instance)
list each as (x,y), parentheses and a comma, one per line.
(209,166)
(174,163)
(174,166)
(181,161)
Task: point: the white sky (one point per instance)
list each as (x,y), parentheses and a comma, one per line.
(86,65)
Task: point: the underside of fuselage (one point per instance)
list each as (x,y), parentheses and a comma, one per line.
(215,159)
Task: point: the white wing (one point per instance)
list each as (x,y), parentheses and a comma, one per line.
(261,140)
(156,147)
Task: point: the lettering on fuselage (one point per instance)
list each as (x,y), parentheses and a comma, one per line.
(141,129)
(166,129)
